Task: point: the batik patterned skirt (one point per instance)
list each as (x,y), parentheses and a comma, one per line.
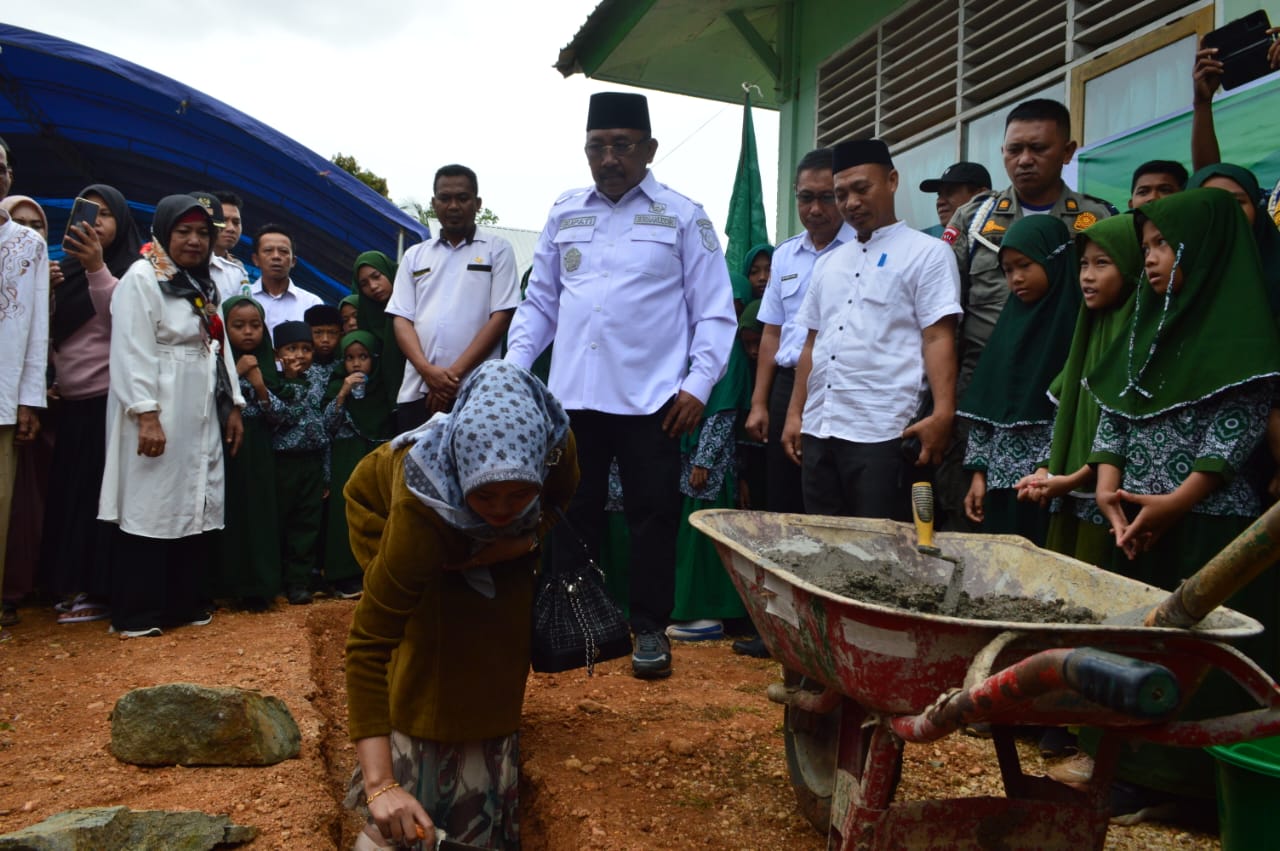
(470,789)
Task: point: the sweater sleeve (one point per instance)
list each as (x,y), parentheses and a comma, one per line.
(398,546)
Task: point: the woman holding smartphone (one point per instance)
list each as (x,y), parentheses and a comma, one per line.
(75,545)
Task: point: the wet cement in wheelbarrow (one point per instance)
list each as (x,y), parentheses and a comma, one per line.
(885,583)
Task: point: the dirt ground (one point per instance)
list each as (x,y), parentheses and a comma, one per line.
(611,763)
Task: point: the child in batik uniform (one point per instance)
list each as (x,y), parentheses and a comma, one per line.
(1185,396)
(301,443)
(1009,413)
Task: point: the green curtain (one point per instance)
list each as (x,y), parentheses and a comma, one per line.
(1105,170)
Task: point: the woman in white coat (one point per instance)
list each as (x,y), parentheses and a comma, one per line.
(170,411)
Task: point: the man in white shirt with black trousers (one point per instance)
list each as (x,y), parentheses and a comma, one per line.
(630,282)
(881,312)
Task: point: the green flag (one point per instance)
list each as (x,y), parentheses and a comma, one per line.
(746,224)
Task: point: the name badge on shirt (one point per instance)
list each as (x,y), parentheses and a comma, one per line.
(421,273)
(479,267)
(791,276)
(660,221)
(578,222)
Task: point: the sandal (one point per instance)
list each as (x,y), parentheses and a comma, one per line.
(69,603)
(85,611)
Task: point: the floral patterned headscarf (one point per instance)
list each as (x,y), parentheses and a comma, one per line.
(505,427)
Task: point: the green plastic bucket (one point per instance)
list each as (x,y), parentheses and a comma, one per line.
(1248,792)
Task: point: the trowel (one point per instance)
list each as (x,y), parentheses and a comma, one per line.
(922,511)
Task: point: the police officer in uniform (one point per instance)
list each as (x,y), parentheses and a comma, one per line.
(630,282)
(1037,144)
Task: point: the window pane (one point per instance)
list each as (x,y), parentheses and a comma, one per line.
(984,136)
(922,162)
(1150,87)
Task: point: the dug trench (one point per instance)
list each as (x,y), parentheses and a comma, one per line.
(608,762)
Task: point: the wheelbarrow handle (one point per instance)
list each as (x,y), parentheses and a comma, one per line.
(1129,686)
(1132,686)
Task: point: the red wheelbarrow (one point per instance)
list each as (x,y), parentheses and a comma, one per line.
(864,678)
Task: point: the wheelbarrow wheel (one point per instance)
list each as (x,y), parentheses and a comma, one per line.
(812,742)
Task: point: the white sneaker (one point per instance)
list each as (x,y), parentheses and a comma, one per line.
(152,632)
(704,629)
(202,621)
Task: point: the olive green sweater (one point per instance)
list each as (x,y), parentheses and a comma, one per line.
(427,655)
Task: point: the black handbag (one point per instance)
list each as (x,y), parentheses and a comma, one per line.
(575,622)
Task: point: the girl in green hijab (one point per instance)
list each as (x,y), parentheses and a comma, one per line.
(1110,263)
(372,276)
(1008,409)
(1185,394)
(1243,186)
(757,265)
(704,595)
(249,569)
(369,408)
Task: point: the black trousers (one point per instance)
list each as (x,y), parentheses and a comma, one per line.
(649,466)
(410,415)
(158,582)
(785,491)
(855,479)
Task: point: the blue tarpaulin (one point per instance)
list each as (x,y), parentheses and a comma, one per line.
(72,116)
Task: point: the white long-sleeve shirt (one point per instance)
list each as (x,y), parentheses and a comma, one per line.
(24,319)
(636,296)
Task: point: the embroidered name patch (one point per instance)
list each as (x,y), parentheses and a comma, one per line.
(578,222)
(660,221)
(792,275)
(479,267)
(418,273)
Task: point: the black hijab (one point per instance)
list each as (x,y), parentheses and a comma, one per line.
(72,306)
(192,283)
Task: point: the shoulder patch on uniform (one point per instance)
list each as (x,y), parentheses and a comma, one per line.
(708,233)
(950,235)
(1104,204)
(1004,205)
(1072,206)
(992,227)
(572,193)
(1276,218)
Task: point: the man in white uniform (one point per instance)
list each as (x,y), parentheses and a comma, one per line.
(281,299)
(881,313)
(227,270)
(782,340)
(629,280)
(452,300)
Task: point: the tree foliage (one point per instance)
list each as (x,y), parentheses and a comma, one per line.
(348,164)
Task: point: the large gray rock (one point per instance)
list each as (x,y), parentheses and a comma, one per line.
(101,828)
(186,724)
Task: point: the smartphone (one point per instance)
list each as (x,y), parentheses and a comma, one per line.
(83,212)
(1242,48)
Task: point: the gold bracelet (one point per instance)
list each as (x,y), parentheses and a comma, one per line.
(387,788)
